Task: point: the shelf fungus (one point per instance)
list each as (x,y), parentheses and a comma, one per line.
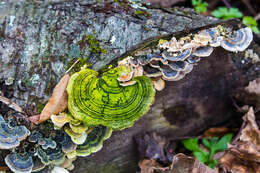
(77,138)
(51,156)
(203,51)
(19,162)
(102,101)
(127,69)
(172,60)
(180,56)
(59,120)
(69,147)
(47,143)
(11,135)
(238,41)
(94,141)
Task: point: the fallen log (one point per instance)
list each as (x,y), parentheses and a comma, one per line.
(40,41)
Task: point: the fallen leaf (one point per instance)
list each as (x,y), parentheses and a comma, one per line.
(185,164)
(216,132)
(250,132)
(243,154)
(58,101)
(148,165)
(34,119)
(231,163)
(254,87)
(180,164)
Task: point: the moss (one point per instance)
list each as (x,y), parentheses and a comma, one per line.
(161,41)
(83,62)
(93,44)
(87,42)
(142,13)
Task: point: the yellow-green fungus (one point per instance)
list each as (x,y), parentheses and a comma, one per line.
(102,101)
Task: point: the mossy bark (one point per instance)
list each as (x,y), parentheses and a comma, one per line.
(39,41)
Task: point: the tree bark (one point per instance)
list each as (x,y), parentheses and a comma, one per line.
(40,40)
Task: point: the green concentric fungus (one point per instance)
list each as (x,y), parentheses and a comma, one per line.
(102,101)
(94,141)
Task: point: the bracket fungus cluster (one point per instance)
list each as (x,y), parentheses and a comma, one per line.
(172,60)
(101,103)
(11,135)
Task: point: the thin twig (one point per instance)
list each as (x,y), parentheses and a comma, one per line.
(227,4)
(72,66)
(257,17)
(11,104)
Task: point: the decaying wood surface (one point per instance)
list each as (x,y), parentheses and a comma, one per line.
(39,41)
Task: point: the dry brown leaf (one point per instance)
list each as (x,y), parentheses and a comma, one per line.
(216,132)
(185,164)
(234,164)
(58,101)
(148,165)
(245,150)
(180,164)
(243,155)
(34,119)
(250,132)
(254,87)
